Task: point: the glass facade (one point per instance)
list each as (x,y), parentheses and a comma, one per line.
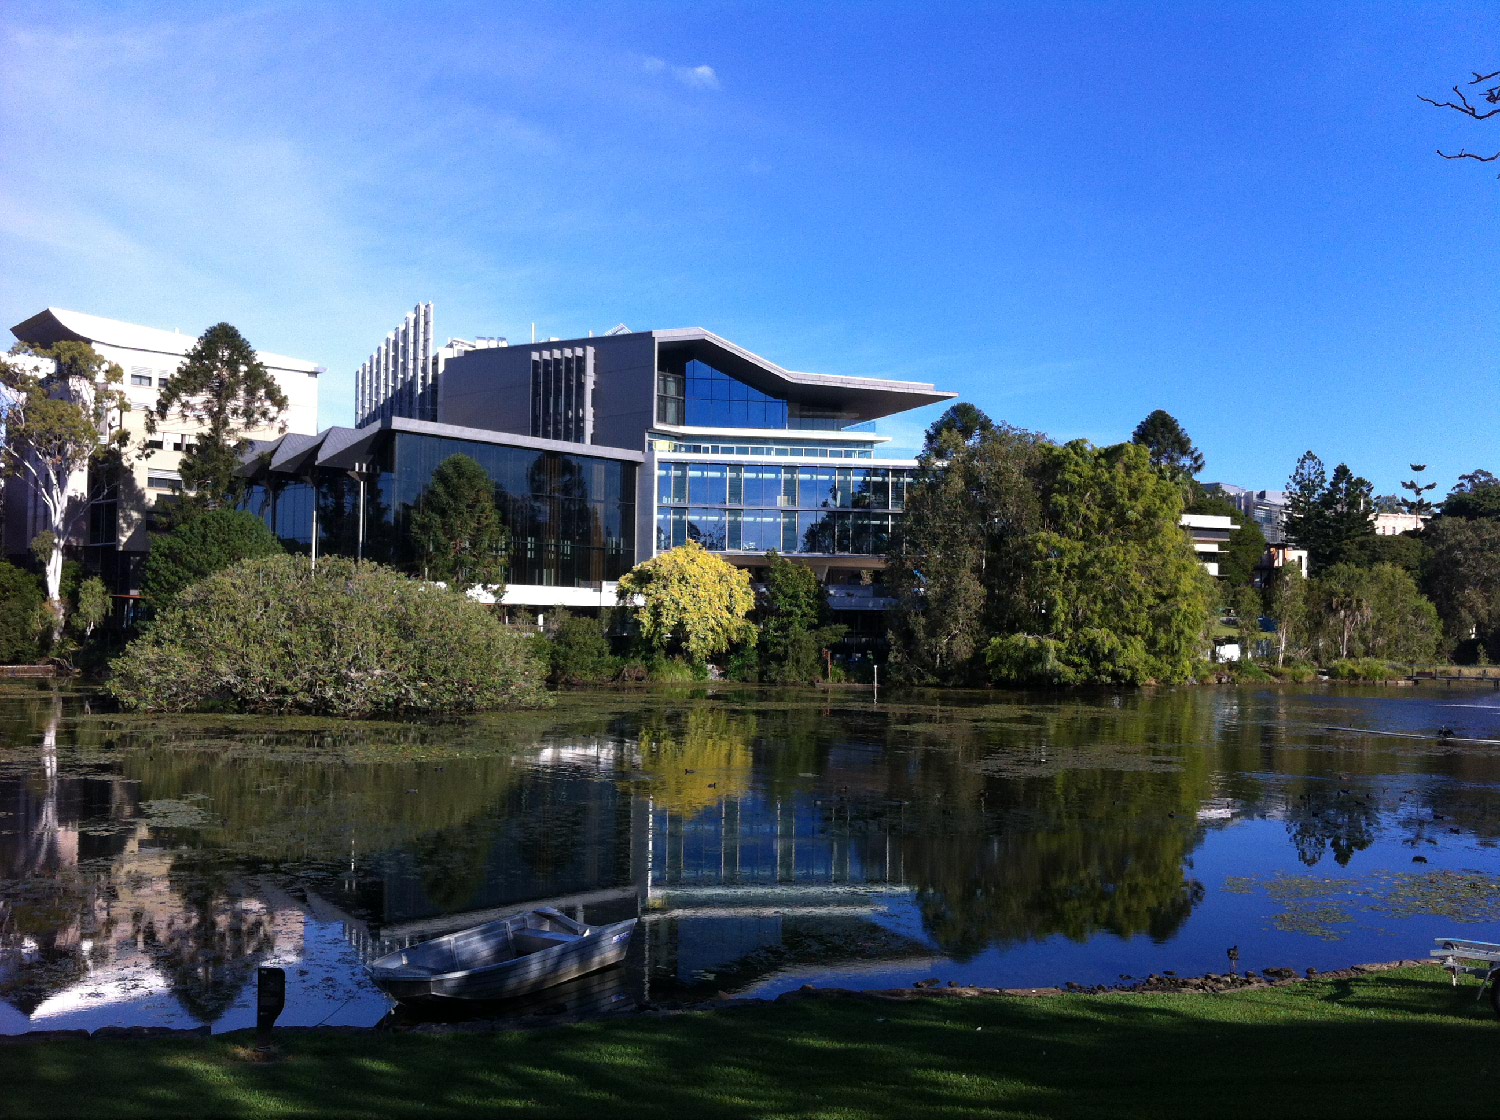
(692,393)
(753,507)
(571,517)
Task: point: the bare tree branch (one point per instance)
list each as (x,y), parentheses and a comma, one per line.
(1468,155)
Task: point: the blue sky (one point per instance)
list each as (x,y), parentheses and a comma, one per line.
(1070,214)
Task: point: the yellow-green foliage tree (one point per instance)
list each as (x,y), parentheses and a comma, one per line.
(691,600)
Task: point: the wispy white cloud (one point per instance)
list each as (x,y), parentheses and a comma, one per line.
(694,77)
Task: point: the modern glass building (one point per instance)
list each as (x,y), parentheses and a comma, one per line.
(605,451)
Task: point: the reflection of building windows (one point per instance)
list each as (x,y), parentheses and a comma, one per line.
(671,484)
(163,480)
(671,529)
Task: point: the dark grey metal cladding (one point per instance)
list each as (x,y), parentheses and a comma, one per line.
(493,388)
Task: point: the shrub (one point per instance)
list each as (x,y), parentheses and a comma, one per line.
(21,601)
(744,665)
(674,670)
(1365,669)
(580,651)
(1250,672)
(1296,672)
(206,544)
(273,635)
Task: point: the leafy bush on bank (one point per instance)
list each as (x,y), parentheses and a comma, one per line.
(1366,669)
(21,599)
(199,547)
(354,640)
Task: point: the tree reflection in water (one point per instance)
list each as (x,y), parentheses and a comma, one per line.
(208,950)
(992,822)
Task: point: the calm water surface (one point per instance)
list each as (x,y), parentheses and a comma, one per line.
(766,839)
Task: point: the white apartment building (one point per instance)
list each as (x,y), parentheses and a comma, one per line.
(111,534)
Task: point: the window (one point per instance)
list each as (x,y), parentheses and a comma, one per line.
(706,484)
(671,484)
(154,443)
(142,379)
(670,406)
(161,382)
(163,480)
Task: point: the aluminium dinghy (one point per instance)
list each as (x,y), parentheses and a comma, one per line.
(509,957)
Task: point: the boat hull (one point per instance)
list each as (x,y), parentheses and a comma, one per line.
(602,948)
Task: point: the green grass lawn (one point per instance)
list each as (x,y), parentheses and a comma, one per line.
(1397,1044)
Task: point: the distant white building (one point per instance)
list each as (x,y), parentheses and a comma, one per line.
(1394,524)
(1209,533)
(112,532)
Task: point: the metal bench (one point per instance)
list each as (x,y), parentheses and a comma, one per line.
(1461,956)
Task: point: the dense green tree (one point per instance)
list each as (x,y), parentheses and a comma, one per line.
(199,547)
(1371,612)
(21,602)
(959,568)
(1462,576)
(1247,612)
(224,391)
(793,623)
(1304,491)
(1476,495)
(965,421)
(1169,445)
(457,530)
(343,639)
(691,601)
(1405,550)
(1119,594)
(61,415)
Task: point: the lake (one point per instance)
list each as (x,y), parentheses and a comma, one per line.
(766,838)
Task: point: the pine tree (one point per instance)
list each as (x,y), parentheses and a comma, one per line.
(223,389)
(1172,451)
(457,530)
(1305,526)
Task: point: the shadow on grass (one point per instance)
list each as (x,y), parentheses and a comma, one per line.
(1367,1048)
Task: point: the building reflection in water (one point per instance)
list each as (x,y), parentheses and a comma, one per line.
(145,878)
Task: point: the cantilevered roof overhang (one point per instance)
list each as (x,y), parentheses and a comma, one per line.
(862,398)
(56,324)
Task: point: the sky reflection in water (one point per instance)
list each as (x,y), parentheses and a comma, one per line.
(768,839)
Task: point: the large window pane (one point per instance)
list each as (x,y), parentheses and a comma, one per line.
(707,484)
(706,526)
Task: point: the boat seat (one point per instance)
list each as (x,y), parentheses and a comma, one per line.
(534,940)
